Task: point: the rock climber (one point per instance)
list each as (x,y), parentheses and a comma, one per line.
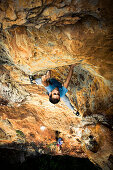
(59,143)
(55,89)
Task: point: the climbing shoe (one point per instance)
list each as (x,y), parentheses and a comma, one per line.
(77,113)
(31,79)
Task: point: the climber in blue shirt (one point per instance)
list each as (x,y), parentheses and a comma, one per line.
(55,89)
(60,141)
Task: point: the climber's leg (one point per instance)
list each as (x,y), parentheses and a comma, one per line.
(33,79)
(38,81)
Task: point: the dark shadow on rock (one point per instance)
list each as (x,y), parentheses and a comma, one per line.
(19,159)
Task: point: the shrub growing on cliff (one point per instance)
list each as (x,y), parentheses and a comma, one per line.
(20,133)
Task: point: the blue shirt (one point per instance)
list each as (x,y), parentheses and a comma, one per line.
(53,84)
(60,141)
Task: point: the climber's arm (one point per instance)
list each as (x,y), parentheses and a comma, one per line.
(66,83)
(45,78)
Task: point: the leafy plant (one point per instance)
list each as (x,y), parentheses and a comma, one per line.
(20,133)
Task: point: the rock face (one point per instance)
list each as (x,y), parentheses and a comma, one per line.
(36,36)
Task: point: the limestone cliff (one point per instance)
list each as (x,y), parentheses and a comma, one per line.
(36,36)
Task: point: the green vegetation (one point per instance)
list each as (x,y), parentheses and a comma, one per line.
(52,144)
(20,133)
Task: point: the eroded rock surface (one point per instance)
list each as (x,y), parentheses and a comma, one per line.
(36,36)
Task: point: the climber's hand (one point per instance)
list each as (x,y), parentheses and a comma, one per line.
(48,74)
(73,65)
